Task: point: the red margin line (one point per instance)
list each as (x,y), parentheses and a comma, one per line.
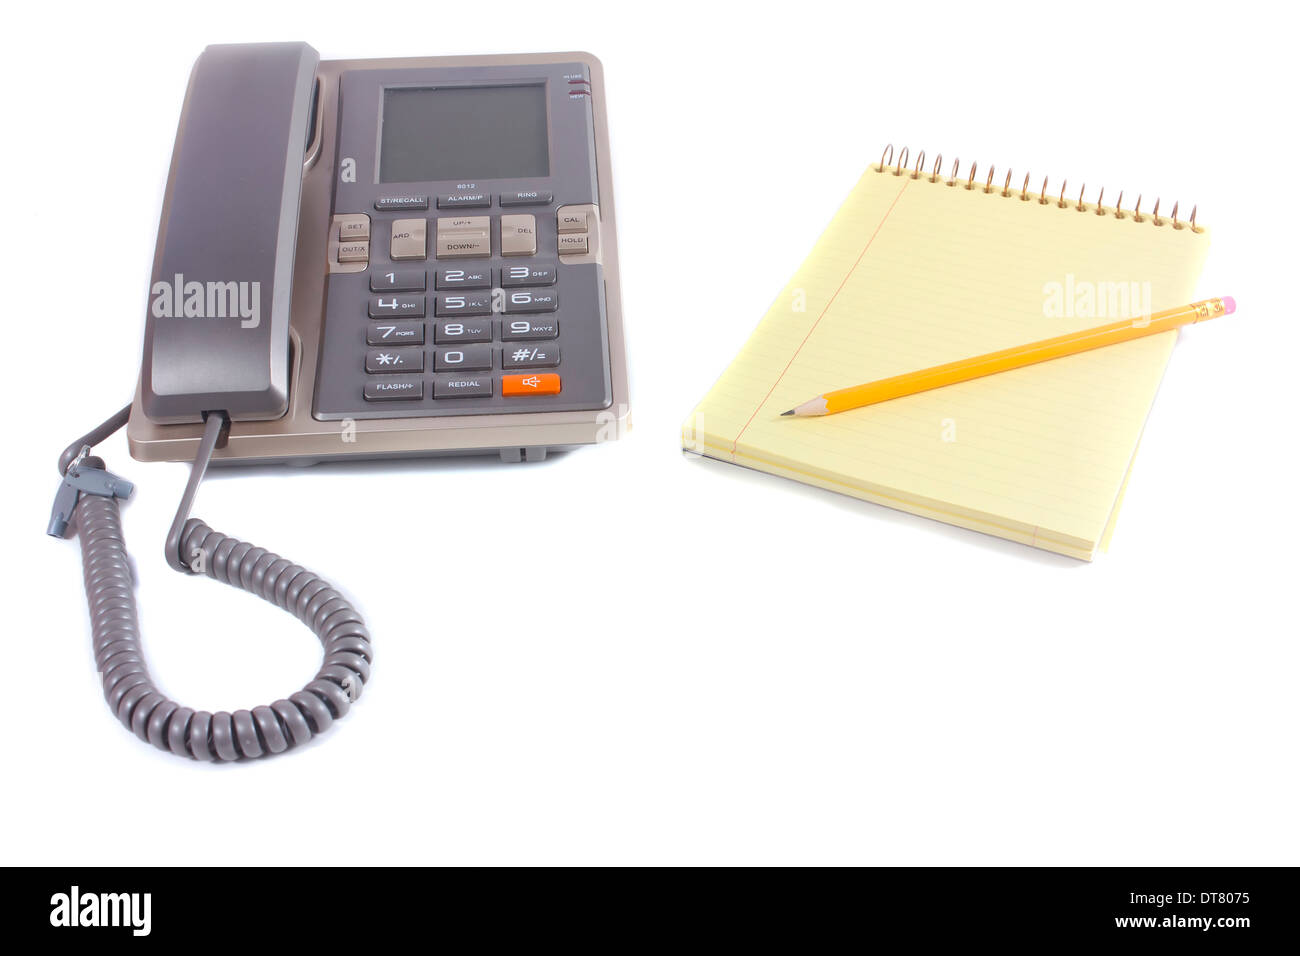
(839,289)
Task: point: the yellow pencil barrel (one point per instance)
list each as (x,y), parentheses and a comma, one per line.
(963,370)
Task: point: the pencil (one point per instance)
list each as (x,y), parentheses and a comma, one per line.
(963,370)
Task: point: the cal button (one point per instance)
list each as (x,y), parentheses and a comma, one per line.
(572,221)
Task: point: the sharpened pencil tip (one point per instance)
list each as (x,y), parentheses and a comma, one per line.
(788,412)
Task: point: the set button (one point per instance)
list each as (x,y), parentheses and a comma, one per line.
(354,228)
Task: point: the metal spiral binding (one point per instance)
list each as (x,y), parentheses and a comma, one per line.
(1024,194)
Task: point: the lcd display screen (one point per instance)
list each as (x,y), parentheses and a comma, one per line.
(463,133)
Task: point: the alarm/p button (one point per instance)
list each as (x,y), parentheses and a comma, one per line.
(409,239)
(539,383)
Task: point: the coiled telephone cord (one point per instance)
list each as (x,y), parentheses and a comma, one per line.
(193,547)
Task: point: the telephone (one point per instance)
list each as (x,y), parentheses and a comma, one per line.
(356,259)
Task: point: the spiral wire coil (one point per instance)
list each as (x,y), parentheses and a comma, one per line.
(935,175)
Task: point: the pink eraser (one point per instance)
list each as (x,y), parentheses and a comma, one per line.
(1229,304)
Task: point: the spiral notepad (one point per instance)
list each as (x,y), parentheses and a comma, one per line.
(918,269)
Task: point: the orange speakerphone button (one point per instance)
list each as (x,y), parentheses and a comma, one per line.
(537,384)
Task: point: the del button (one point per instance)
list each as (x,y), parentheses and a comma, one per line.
(518,236)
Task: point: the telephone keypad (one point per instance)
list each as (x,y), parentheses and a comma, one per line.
(491,317)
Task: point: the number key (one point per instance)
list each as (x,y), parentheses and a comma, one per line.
(467,303)
(396,307)
(395,333)
(524,330)
(532,301)
(462,331)
(398,280)
(516,276)
(479,277)
(471,358)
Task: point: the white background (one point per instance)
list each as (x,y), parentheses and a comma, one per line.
(617,656)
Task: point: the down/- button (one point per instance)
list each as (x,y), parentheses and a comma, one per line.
(464,237)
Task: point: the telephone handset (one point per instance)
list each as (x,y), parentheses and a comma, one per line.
(217,326)
(356,259)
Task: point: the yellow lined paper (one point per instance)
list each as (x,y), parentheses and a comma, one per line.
(912,274)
